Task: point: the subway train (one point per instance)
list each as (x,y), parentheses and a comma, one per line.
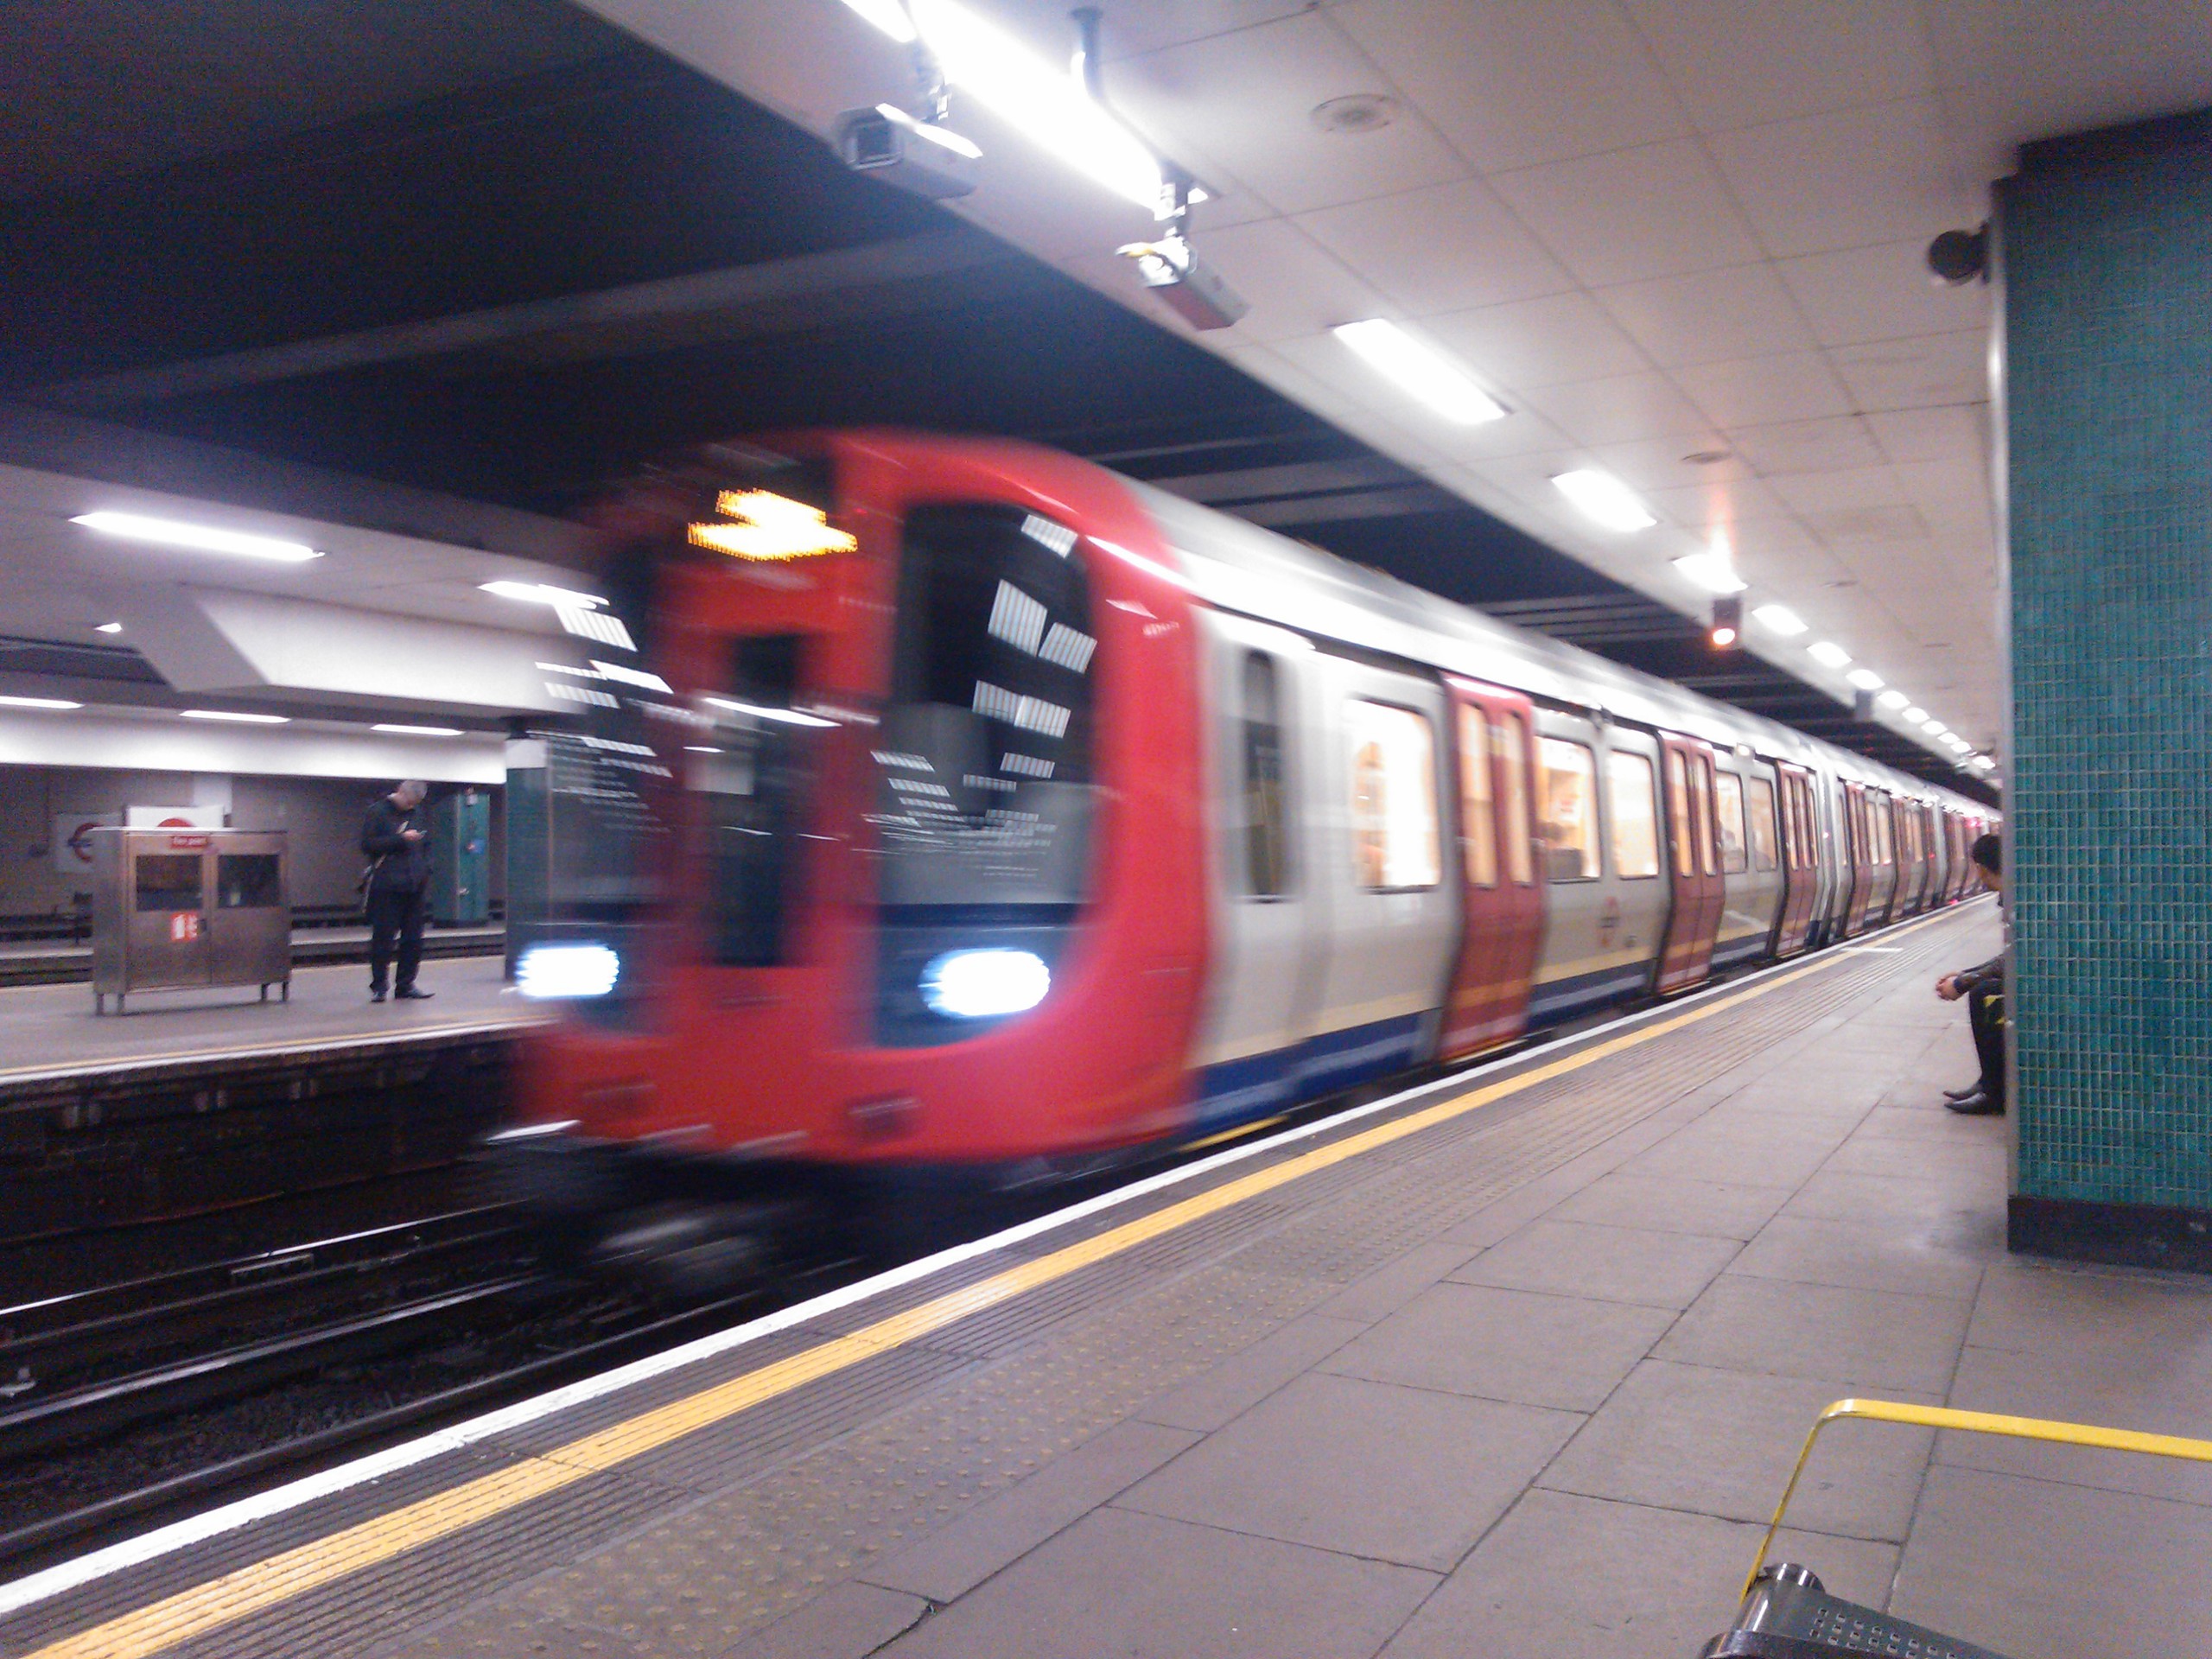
(938,808)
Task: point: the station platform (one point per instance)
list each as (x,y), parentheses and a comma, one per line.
(1511,1365)
(49,961)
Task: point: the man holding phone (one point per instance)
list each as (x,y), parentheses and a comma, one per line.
(396,836)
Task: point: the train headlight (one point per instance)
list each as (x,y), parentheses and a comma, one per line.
(977,984)
(567,970)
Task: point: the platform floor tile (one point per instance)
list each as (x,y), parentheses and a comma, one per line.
(1637,1265)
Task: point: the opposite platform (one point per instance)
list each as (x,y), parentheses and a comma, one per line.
(1508,1366)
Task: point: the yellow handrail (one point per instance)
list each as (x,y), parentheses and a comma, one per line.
(1976,1422)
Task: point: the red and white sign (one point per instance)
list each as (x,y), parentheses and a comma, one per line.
(73,839)
(189,843)
(184,924)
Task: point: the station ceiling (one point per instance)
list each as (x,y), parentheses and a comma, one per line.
(504,249)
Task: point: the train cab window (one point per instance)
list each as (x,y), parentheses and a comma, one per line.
(751,775)
(1636,814)
(1395,845)
(1569,827)
(1478,811)
(1266,828)
(1728,798)
(1759,813)
(1511,738)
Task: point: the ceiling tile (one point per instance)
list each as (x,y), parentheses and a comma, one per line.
(1710,316)
(1836,443)
(1139,26)
(1879,173)
(1656,464)
(1293,287)
(1618,408)
(1630,214)
(1756,390)
(1908,434)
(1737,66)
(1811,494)
(1737,501)
(1917,374)
(1538,342)
(1514,84)
(1884,292)
(1447,248)
(1245,99)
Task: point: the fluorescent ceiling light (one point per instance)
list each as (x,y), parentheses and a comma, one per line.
(789,716)
(1604,498)
(1893,699)
(38,703)
(1865,679)
(419,731)
(109,627)
(1711,572)
(1418,370)
(232,714)
(1049,106)
(538,593)
(1830,653)
(203,539)
(1934,728)
(1780,618)
(1915,715)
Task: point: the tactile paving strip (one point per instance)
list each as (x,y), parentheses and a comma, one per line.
(685,1549)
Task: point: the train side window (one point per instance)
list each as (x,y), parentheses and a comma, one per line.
(1511,737)
(1570,807)
(1728,798)
(1636,815)
(1885,853)
(1266,832)
(1702,810)
(1395,842)
(1678,806)
(1759,811)
(1478,811)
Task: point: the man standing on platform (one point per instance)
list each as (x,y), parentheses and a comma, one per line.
(397,837)
(1984,990)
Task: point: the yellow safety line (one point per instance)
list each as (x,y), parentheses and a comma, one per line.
(306,1567)
(1976,1422)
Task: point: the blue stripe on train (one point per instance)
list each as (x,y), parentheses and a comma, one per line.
(1237,1090)
(1565,996)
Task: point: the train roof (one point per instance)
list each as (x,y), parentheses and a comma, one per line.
(1241,567)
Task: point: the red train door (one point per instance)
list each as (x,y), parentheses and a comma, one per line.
(1693,919)
(1488,1003)
(1800,868)
(1859,856)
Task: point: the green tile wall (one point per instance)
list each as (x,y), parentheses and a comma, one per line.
(2108,299)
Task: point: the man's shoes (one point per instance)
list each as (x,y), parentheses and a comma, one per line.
(1977,1105)
(376,992)
(409,994)
(1966,1093)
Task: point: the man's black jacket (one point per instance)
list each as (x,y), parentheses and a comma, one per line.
(402,866)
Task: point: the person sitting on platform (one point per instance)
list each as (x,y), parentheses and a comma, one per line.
(1983,988)
(398,887)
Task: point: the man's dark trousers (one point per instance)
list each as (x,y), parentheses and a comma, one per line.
(1986,1014)
(396,914)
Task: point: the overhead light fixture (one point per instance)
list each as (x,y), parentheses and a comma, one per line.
(539,592)
(1865,679)
(788,717)
(1934,728)
(1604,499)
(234,715)
(109,627)
(38,703)
(418,731)
(202,539)
(768,527)
(1830,653)
(1893,699)
(1712,571)
(1418,370)
(1051,108)
(1780,618)
(1915,715)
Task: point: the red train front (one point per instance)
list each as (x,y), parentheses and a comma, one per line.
(882,844)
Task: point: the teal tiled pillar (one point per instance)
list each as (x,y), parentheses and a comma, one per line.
(2106,258)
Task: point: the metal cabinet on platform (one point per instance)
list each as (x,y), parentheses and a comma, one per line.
(183,910)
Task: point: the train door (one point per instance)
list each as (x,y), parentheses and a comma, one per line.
(1503,905)
(1744,804)
(1962,876)
(1693,919)
(1602,914)
(1923,841)
(1393,900)
(1793,922)
(1858,859)
(1269,912)
(1882,842)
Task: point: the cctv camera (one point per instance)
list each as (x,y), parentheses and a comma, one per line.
(1186,285)
(1958,257)
(930,161)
